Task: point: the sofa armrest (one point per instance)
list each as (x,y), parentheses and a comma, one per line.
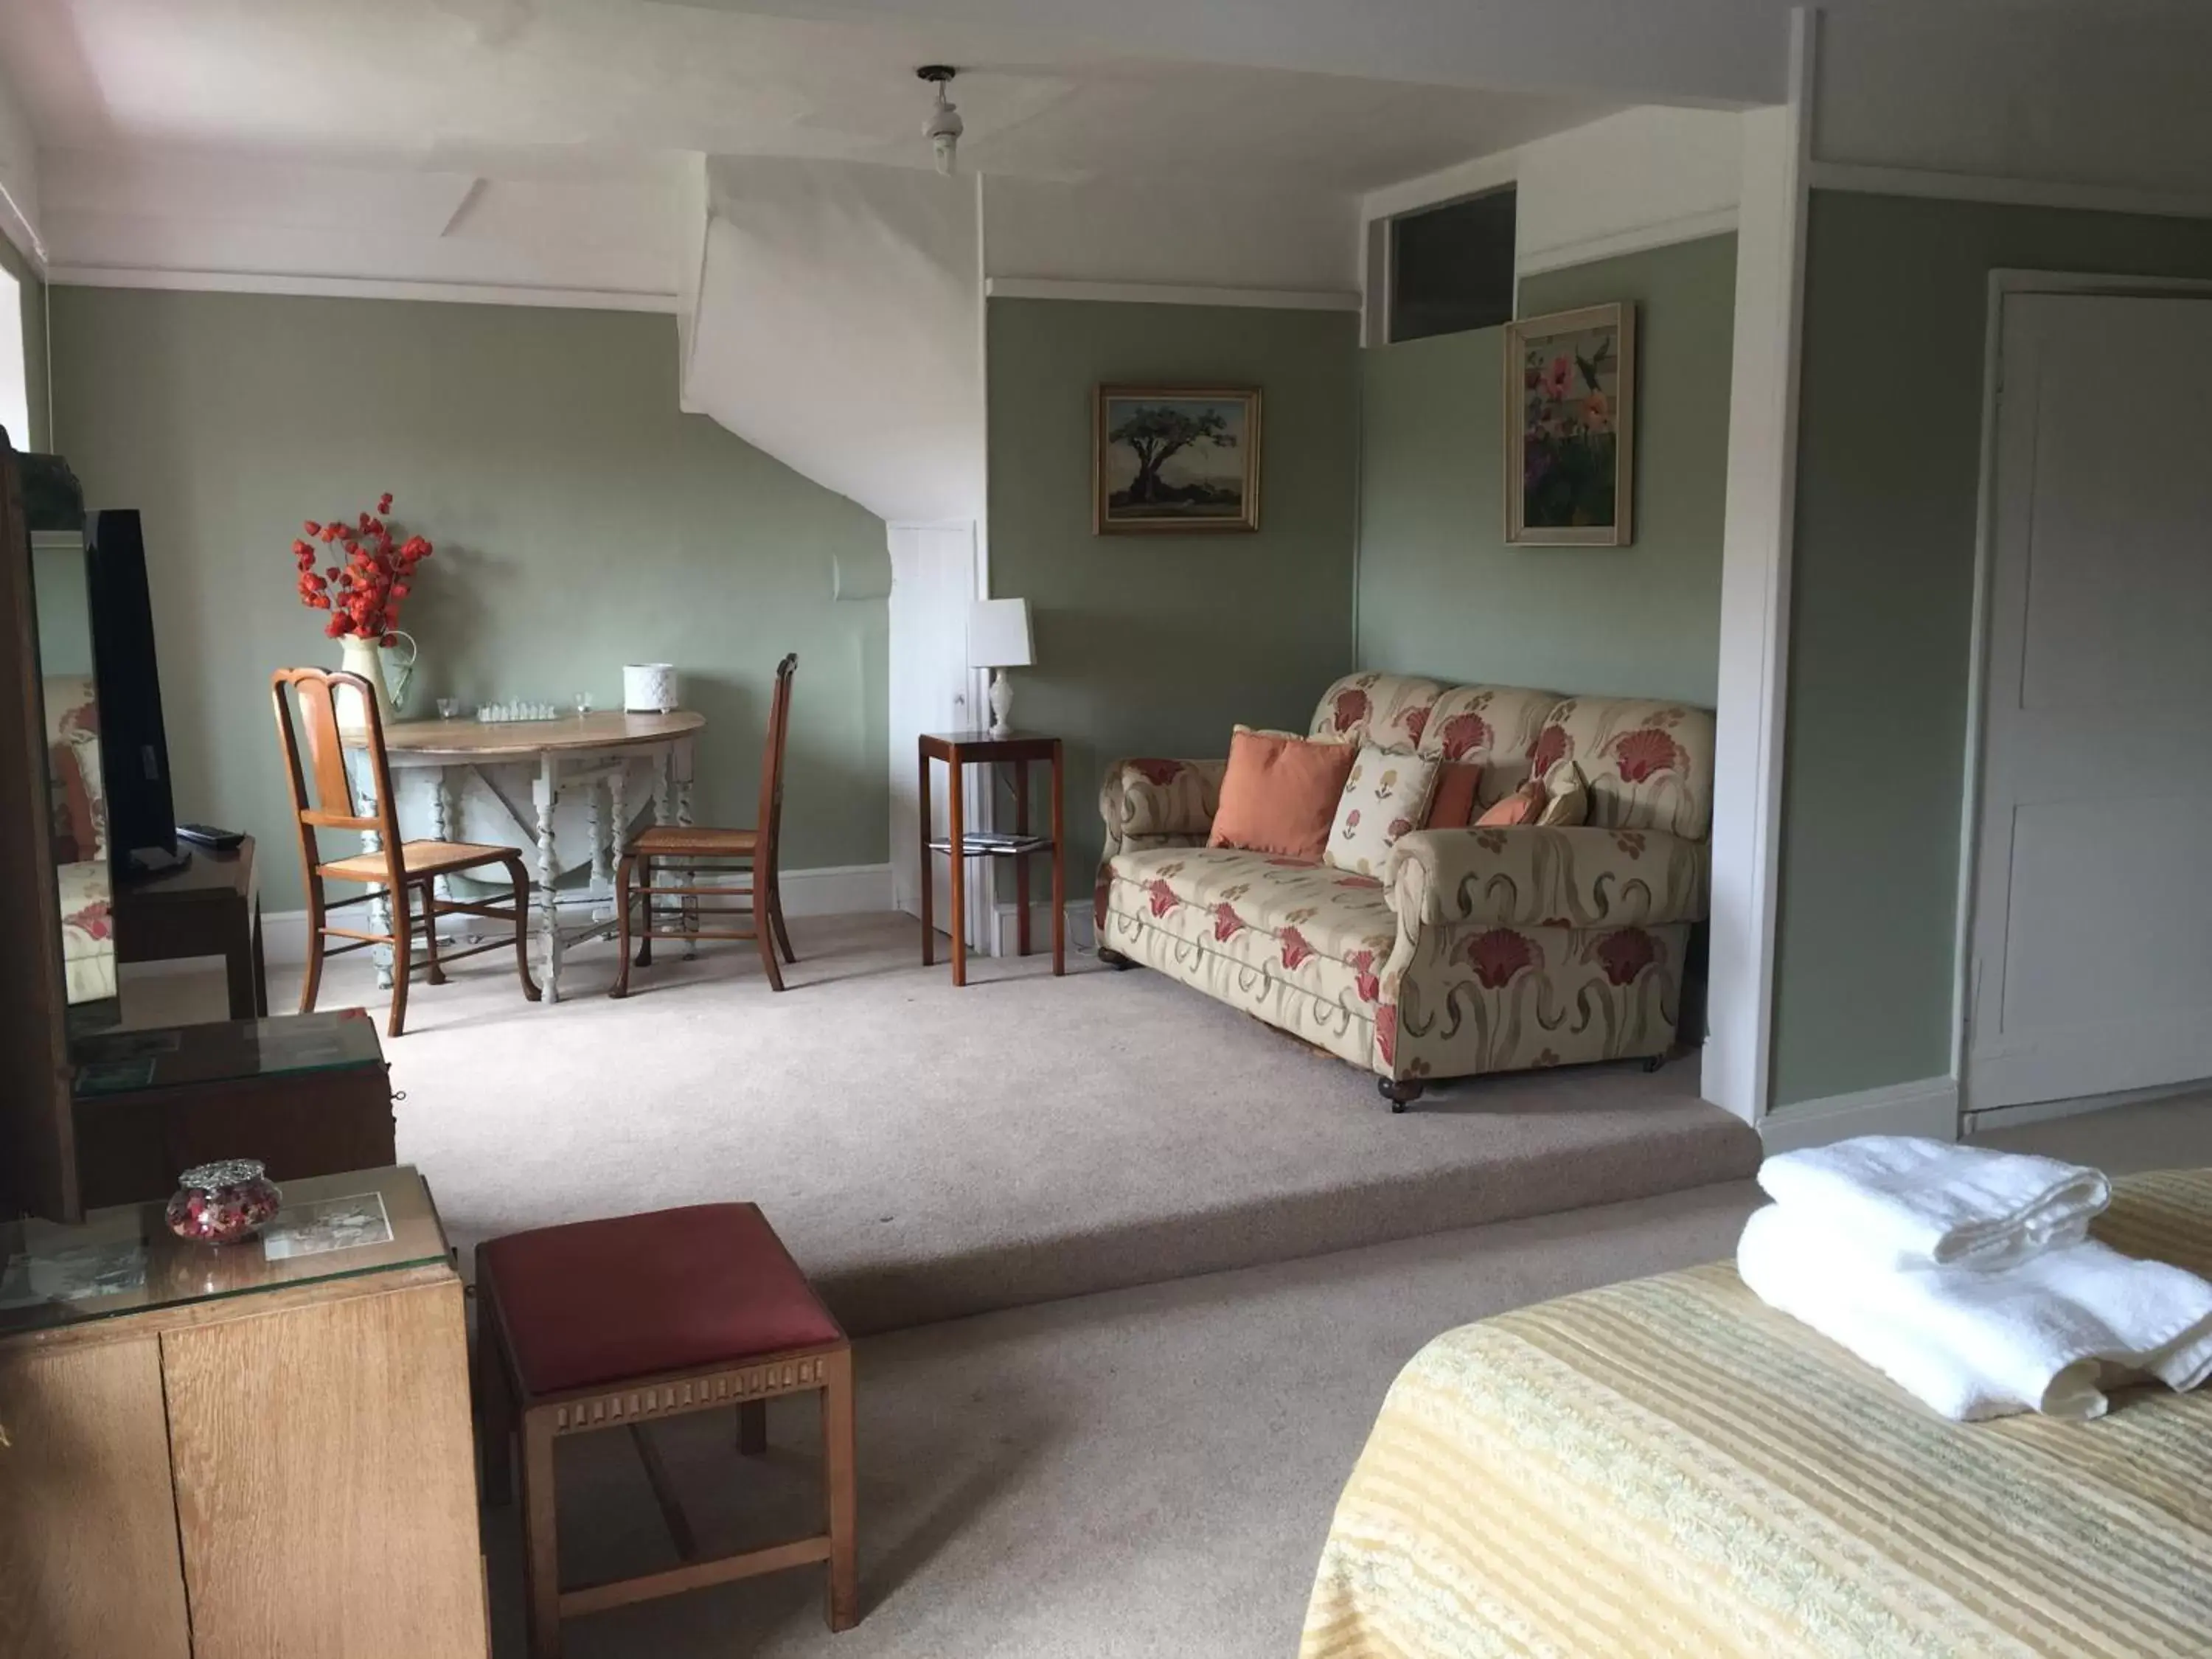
(1525,877)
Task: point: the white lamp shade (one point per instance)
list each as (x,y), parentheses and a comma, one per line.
(999,635)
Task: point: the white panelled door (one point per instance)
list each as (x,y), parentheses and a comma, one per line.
(2091,930)
(934,582)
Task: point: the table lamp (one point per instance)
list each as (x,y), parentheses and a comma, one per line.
(998,638)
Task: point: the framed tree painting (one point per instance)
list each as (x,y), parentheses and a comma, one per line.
(1175,459)
(1570,428)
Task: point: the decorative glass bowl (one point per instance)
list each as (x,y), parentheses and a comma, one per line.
(223,1203)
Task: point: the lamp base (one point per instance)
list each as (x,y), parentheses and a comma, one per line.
(1002,704)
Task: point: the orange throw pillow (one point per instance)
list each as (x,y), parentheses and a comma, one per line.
(1280,794)
(1452,805)
(1525,805)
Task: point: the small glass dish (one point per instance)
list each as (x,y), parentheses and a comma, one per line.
(224,1203)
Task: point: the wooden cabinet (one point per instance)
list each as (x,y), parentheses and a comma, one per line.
(263,1458)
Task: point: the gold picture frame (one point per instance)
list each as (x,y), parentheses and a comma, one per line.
(1570,459)
(1155,457)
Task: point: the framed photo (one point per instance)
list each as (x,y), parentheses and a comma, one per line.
(1175,459)
(1570,428)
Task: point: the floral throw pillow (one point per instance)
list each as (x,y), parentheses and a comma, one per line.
(1385,795)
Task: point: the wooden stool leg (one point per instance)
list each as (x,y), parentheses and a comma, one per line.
(541,1540)
(752,1427)
(837,1463)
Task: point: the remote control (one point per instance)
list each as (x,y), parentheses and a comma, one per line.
(207,835)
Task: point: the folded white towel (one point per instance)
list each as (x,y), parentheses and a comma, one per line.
(1923,1202)
(1974,1343)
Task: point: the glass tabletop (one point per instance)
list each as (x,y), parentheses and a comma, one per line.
(223,1051)
(125,1259)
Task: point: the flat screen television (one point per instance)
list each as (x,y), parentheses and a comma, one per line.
(134,747)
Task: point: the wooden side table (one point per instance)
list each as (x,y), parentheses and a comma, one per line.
(209,908)
(958,750)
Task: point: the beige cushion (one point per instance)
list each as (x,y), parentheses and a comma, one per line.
(1385,796)
(1566,806)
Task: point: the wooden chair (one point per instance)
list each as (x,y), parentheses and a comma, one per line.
(323,799)
(686,845)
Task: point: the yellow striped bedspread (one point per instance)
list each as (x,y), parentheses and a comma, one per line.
(1670,1467)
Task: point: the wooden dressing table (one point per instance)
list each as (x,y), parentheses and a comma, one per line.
(592,750)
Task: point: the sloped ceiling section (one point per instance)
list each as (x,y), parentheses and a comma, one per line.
(837,326)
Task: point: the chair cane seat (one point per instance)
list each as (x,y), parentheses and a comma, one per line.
(416,858)
(698,840)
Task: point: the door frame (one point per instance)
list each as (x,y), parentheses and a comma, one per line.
(2005,283)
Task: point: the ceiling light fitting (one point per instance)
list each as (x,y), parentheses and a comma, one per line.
(945,125)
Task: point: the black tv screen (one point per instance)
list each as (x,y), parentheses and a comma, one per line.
(134,748)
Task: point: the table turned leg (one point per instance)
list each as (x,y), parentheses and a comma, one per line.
(546,794)
(379,901)
(688,904)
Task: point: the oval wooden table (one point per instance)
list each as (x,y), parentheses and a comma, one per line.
(590,750)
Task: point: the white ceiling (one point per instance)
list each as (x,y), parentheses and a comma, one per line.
(598,88)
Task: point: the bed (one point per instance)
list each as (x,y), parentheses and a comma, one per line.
(1670,1467)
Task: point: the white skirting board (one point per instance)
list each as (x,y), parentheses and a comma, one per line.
(837,890)
(1930,1107)
(1081,933)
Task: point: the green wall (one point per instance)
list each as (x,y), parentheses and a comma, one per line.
(1158,644)
(580,520)
(1881,593)
(34,299)
(1440,592)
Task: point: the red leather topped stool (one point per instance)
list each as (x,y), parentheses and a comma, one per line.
(612,1324)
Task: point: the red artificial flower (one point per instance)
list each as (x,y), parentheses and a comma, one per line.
(384,502)
(311,527)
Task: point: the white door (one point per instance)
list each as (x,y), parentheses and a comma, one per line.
(934,582)
(2092,932)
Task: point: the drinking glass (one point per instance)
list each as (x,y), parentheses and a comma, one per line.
(448,706)
(583,704)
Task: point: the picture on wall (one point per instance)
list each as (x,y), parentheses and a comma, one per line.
(1570,403)
(1175,459)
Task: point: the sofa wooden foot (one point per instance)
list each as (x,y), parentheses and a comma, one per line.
(1114,959)
(1653,1063)
(1400,1092)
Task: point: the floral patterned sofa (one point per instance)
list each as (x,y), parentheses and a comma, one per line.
(79,838)
(1477,950)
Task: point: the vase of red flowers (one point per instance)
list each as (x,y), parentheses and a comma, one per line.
(366,580)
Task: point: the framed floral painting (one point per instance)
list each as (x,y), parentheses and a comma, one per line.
(1175,459)
(1570,425)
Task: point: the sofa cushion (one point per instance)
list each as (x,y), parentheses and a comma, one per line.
(1385,796)
(1280,794)
(1292,918)
(1650,764)
(1451,803)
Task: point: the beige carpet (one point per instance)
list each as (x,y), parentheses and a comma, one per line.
(929,1153)
(1145,1472)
